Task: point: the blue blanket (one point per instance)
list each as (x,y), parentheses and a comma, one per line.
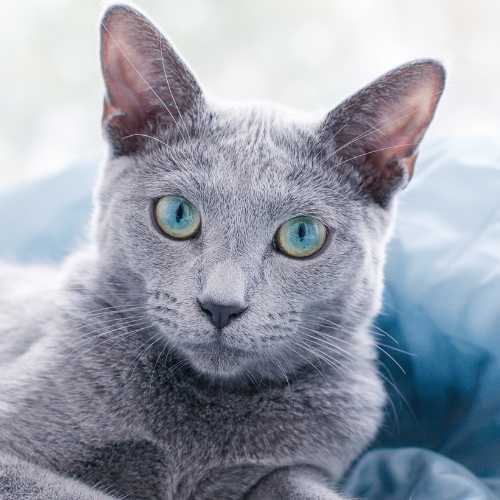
(439,328)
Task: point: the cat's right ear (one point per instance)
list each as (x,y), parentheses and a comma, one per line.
(148,85)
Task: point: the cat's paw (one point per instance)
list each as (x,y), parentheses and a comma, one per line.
(294,483)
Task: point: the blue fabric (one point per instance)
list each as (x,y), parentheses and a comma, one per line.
(414,474)
(441,307)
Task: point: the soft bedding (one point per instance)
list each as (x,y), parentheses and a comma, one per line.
(442,306)
(439,330)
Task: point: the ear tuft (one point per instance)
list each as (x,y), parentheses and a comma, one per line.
(147,82)
(377,131)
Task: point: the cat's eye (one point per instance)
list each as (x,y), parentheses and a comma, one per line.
(177,217)
(300,237)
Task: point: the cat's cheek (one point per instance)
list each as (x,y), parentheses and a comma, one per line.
(167,251)
(297,275)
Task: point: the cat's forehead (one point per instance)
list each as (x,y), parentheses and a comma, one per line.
(255,144)
(248,157)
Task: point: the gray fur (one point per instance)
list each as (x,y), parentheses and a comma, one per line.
(112,380)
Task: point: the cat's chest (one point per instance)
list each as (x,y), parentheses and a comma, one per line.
(218,438)
(206,446)
(187,442)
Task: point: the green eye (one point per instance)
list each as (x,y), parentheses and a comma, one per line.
(177,217)
(301,237)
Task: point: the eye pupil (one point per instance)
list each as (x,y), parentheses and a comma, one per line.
(180,213)
(302,231)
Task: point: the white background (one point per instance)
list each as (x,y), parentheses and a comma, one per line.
(308,54)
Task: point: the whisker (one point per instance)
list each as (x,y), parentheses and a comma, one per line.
(157,361)
(141,354)
(103,323)
(328,142)
(387,354)
(149,137)
(327,359)
(322,373)
(375,344)
(392,384)
(122,336)
(398,350)
(287,381)
(375,151)
(343,328)
(106,332)
(336,349)
(329,336)
(82,353)
(169,89)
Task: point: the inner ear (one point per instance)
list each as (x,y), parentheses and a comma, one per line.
(147,82)
(377,131)
(402,131)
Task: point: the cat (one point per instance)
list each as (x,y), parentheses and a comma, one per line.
(212,341)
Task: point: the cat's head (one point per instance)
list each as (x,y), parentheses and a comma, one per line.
(246,234)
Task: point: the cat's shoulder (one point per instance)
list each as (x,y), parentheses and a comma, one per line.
(26,293)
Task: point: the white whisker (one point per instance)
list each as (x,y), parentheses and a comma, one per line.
(149,137)
(169,89)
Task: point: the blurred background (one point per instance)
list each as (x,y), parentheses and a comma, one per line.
(308,54)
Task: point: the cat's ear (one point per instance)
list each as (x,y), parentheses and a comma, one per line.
(147,82)
(375,133)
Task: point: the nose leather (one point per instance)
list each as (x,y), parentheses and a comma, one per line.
(221,314)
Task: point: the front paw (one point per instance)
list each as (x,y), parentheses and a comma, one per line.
(294,483)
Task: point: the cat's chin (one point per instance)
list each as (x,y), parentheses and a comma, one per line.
(217,360)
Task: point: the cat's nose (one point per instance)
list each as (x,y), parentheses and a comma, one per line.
(221,314)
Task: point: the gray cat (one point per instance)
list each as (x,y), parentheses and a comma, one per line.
(213,340)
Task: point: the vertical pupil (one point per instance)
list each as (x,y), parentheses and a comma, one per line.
(180,213)
(302,231)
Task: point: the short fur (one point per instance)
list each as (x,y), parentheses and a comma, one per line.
(114,383)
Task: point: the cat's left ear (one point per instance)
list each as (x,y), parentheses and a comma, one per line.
(147,82)
(374,135)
